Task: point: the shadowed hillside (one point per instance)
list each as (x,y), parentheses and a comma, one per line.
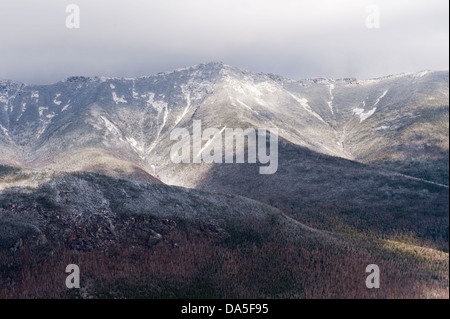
(139,240)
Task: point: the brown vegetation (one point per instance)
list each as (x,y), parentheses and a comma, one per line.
(204,267)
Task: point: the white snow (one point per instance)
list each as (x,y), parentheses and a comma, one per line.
(330,102)
(5,130)
(268,87)
(106,78)
(210,141)
(56,99)
(166,113)
(41,110)
(422,74)
(46,123)
(388,77)
(50,116)
(117,99)
(4,99)
(304,103)
(151,98)
(247,87)
(42,130)
(112,86)
(362,114)
(187,95)
(111,127)
(24,107)
(370,81)
(138,147)
(157,105)
(382,96)
(243,104)
(160,128)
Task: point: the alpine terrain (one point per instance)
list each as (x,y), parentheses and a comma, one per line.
(87,178)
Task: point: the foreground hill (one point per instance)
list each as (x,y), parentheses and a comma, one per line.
(133,239)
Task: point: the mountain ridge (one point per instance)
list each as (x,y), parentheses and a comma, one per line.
(323,115)
(418,73)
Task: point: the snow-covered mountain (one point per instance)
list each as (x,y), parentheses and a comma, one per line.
(122,125)
(362,176)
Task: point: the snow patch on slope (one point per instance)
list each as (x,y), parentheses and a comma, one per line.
(210,141)
(137,146)
(55,100)
(4,99)
(5,131)
(243,104)
(362,114)
(187,96)
(45,123)
(50,116)
(117,99)
(330,102)
(160,128)
(111,127)
(133,92)
(304,103)
(24,108)
(382,96)
(41,110)
(157,105)
(422,74)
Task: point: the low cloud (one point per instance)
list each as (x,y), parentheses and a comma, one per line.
(293,38)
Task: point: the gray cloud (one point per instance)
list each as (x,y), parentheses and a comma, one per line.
(294,38)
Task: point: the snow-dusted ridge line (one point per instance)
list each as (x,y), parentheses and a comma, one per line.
(330,102)
(99,78)
(418,74)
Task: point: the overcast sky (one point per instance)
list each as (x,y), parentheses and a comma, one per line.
(294,38)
